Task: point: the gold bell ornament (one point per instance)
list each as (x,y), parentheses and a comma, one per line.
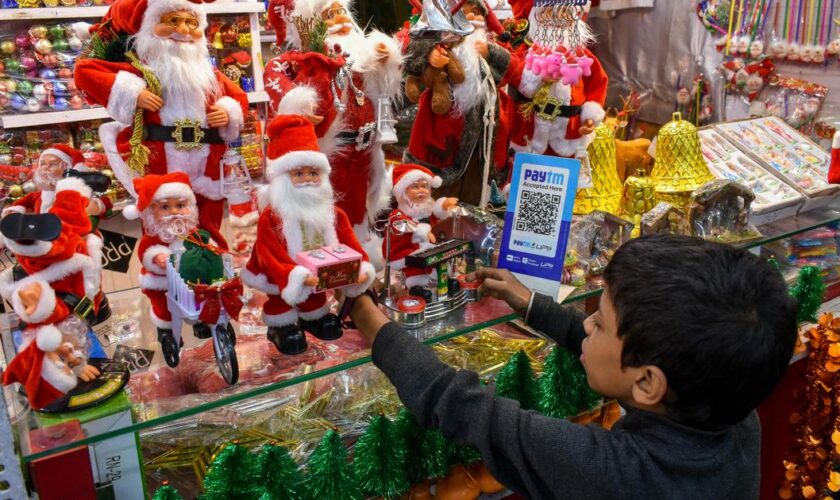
(605,193)
(639,198)
(680,167)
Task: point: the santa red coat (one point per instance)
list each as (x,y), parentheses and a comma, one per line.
(70,264)
(301,83)
(274,270)
(117,86)
(403,245)
(40,202)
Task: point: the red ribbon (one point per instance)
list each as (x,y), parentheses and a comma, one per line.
(214,297)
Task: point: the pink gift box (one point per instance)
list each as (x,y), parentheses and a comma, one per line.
(335,266)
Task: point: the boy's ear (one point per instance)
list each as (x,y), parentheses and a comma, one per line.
(650,386)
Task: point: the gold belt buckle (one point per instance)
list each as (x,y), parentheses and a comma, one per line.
(178,134)
(84,308)
(553,106)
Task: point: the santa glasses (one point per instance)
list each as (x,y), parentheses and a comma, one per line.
(174,21)
(335,12)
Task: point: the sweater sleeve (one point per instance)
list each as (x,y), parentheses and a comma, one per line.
(563,325)
(531,454)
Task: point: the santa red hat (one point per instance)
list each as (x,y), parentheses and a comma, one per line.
(521,8)
(407,174)
(157,187)
(277,12)
(128,16)
(71,156)
(44,381)
(292,144)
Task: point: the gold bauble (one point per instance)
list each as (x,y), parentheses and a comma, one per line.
(109,173)
(605,193)
(15,191)
(680,167)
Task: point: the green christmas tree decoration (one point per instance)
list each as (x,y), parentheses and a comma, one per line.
(516,381)
(379,460)
(167,492)
(589,399)
(808,291)
(775,263)
(231,475)
(329,476)
(425,450)
(278,477)
(559,385)
(461,454)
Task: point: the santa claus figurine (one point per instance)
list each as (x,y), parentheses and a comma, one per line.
(188,111)
(344,89)
(53,164)
(167,207)
(413,186)
(300,215)
(467,146)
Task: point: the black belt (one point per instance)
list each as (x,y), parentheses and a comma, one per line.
(163,133)
(564,111)
(82,307)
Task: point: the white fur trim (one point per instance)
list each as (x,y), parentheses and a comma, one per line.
(130,212)
(356,290)
(92,270)
(300,100)
(263,197)
(438,210)
(57,377)
(379,185)
(835,143)
(258,282)
(177,190)
(82,30)
(592,110)
(207,187)
(159,322)
(383,79)
(295,291)
(36,249)
(398,265)
(296,159)
(48,338)
(330,144)
(47,201)
(287,318)
(421,233)
(529,84)
(108,133)
(44,309)
(153,282)
(411,177)
(249,219)
(371,244)
(55,272)
(148,258)
(74,184)
(157,8)
(122,103)
(236,120)
(420,280)
(99,204)
(60,154)
(14,209)
(315,313)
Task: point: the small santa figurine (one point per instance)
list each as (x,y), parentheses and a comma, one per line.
(167,208)
(343,89)
(300,215)
(190,111)
(53,163)
(413,186)
(469,142)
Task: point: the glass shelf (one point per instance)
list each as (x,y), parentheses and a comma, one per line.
(159,395)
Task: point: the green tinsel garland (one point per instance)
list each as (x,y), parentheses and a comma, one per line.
(278,476)
(167,492)
(231,475)
(379,460)
(809,291)
(329,477)
(516,381)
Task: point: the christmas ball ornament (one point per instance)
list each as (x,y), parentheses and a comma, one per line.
(9,85)
(4,100)
(71,86)
(22,41)
(47,74)
(75,43)
(6,159)
(76,102)
(43,46)
(2,68)
(605,193)
(39,92)
(61,45)
(7,47)
(29,187)
(15,191)
(50,3)
(32,105)
(61,104)
(60,88)
(28,62)
(680,167)
(55,32)
(50,60)
(64,73)
(13,67)
(25,87)
(38,31)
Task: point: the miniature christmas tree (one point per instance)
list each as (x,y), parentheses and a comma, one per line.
(588,399)
(379,460)
(425,450)
(808,291)
(231,475)
(329,477)
(516,381)
(167,492)
(461,454)
(559,386)
(278,477)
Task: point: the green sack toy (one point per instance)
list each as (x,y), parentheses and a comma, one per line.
(200,265)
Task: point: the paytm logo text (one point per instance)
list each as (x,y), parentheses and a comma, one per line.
(531,245)
(543,177)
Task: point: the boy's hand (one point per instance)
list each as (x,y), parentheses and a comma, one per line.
(367,317)
(501,284)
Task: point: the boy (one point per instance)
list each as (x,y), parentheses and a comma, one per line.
(690,337)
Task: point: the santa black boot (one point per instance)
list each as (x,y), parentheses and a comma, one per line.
(327,327)
(289,339)
(202,330)
(171,351)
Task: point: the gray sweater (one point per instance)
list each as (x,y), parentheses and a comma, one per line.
(644,456)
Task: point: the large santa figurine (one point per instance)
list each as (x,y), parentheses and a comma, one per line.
(300,215)
(413,186)
(343,89)
(467,145)
(188,110)
(560,86)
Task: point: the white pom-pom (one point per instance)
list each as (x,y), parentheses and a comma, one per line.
(131,213)
(82,30)
(48,338)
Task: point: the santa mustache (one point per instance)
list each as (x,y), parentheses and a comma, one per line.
(177,37)
(332,30)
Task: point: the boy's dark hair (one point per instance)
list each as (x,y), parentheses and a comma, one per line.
(717,320)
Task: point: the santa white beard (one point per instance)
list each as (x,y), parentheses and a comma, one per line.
(170,227)
(309,206)
(43,180)
(469,93)
(417,210)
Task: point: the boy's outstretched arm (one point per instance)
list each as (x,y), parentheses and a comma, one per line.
(538,456)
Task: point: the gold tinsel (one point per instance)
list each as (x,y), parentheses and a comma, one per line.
(680,167)
(605,193)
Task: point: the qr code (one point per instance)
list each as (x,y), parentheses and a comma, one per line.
(538,213)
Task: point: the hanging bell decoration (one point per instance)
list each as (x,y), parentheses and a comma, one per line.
(680,167)
(605,193)
(639,198)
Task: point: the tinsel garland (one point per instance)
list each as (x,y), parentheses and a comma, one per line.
(379,460)
(808,291)
(167,492)
(278,476)
(231,475)
(329,476)
(516,381)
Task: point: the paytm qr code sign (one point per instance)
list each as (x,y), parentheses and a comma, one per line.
(538,219)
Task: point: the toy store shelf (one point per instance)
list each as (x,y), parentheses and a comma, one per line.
(100,10)
(164,398)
